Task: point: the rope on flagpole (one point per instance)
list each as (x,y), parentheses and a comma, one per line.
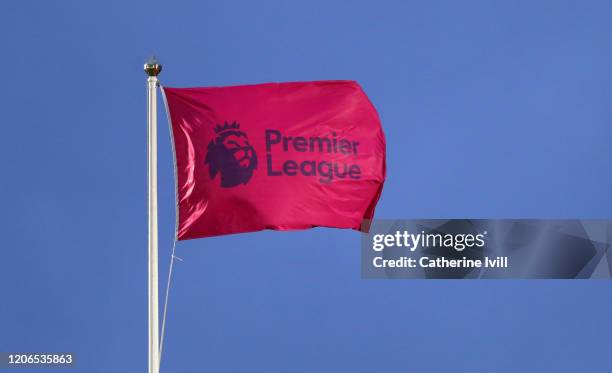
(176,210)
(168,283)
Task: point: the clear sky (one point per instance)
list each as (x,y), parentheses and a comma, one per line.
(491,109)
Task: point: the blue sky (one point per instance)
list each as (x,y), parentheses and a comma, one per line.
(491,109)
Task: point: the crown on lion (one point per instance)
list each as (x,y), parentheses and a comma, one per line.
(227,127)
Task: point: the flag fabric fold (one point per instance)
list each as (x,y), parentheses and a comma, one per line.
(279,156)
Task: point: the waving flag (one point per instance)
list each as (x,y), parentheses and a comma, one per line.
(277,156)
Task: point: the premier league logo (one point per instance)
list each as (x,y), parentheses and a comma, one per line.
(231,155)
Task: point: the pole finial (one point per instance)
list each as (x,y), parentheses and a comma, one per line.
(152,67)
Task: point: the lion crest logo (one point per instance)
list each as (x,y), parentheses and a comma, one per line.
(231,155)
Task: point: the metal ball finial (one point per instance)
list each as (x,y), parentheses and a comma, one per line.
(152,67)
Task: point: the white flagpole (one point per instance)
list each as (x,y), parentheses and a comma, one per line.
(152,68)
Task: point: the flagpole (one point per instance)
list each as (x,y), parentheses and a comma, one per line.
(152,68)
